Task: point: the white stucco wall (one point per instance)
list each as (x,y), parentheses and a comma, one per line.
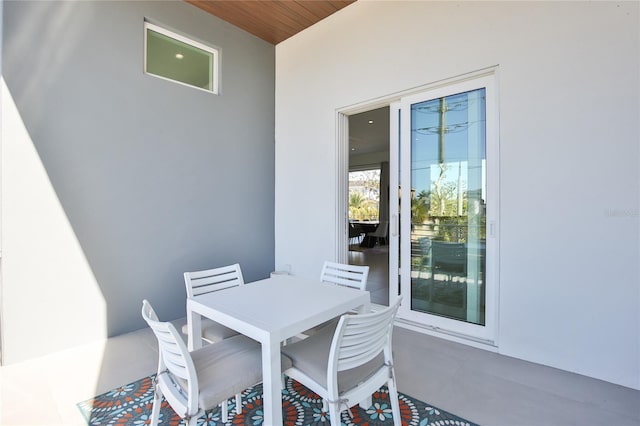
(569,193)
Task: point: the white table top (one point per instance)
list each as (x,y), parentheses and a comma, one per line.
(282,306)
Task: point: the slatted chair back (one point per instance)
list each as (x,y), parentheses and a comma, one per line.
(207,281)
(354,276)
(174,362)
(360,338)
(193,382)
(357,363)
(362,342)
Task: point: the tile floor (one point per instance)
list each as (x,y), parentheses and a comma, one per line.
(483,387)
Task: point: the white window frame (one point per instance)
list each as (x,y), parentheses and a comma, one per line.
(215,53)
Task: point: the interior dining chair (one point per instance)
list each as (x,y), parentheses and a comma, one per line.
(193,382)
(355,233)
(380,234)
(347,365)
(207,281)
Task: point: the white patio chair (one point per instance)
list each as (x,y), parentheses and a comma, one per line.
(354,276)
(207,281)
(346,366)
(198,381)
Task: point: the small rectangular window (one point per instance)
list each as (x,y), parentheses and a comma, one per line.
(174,57)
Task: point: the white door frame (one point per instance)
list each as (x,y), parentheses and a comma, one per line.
(342,185)
(341,191)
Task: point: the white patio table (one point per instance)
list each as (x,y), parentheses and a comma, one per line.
(271,311)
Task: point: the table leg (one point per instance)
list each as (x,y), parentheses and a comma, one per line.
(194,324)
(271,383)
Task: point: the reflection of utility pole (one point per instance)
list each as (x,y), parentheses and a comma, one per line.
(454,104)
(460,203)
(443,168)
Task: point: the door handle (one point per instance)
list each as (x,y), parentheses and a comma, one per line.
(395,225)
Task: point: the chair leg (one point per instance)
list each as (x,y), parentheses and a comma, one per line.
(238,403)
(157,401)
(395,401)
(334,413)
(225,411)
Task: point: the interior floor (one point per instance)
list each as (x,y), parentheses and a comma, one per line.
(377,258)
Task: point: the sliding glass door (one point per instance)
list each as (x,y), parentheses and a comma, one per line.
(447,233)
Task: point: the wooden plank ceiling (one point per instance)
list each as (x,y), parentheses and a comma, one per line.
(271,20)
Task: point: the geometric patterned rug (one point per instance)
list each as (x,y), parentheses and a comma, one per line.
(131,405)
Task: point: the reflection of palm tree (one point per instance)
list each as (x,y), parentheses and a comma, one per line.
(361,208)
(356,200)
(420,207)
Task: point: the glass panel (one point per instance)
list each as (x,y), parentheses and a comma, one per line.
(179,61)
(364,195)
(448,193)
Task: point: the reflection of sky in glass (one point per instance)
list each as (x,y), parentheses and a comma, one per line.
(464,141)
